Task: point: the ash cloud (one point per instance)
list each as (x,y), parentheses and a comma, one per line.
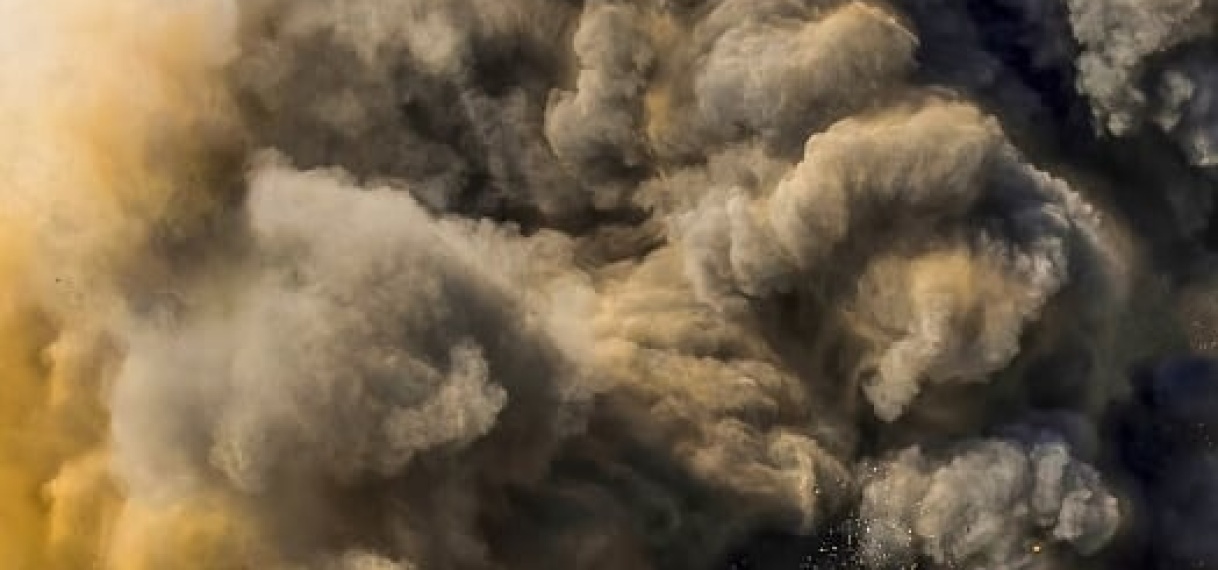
(508,284)
(323,370)
(993,504)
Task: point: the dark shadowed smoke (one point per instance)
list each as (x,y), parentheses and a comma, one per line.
(705,284)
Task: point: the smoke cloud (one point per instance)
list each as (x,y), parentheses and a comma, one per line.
(608,284)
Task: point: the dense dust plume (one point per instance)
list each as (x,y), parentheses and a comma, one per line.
(608,284)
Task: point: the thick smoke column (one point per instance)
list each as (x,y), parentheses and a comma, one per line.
(607,284)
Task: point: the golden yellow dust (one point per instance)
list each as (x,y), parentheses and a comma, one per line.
(112,113)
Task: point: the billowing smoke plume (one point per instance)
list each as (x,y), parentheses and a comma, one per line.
(984,507)
(608,284)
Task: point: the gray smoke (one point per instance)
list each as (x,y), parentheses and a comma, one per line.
(358,342)
(993,505)
(631,283)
